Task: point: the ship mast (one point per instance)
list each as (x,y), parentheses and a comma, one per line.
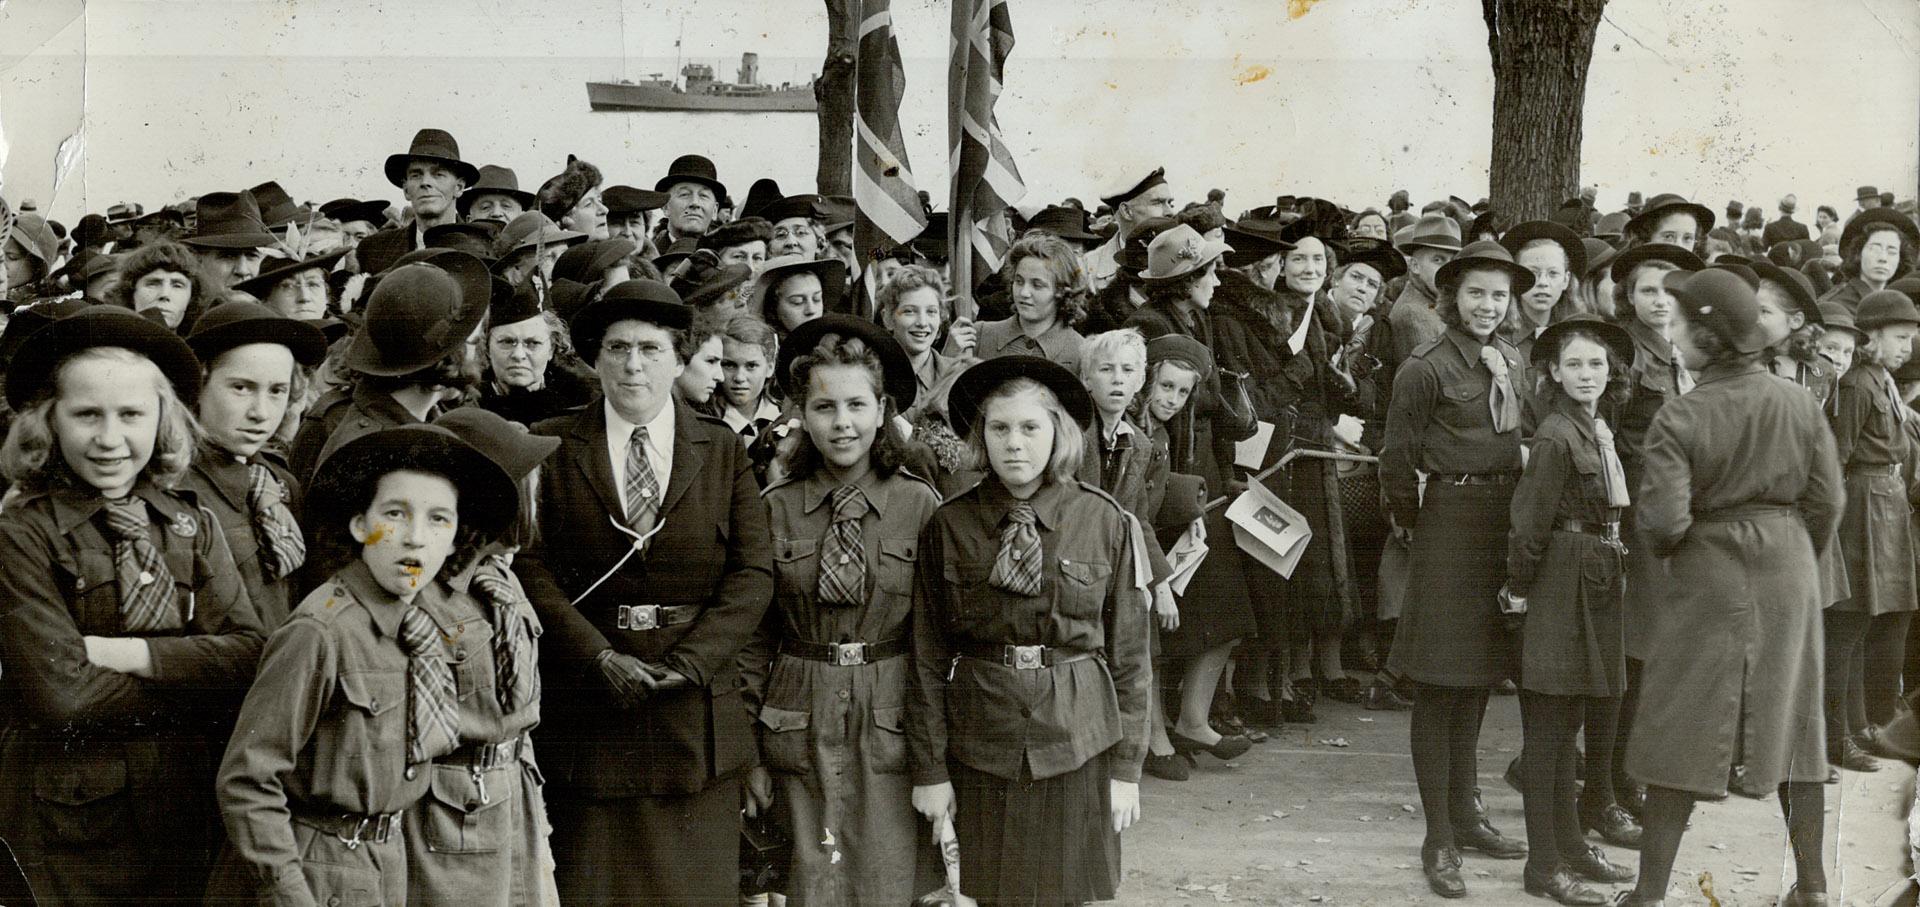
(677,74)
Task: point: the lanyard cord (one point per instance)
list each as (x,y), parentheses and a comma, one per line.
(639,544)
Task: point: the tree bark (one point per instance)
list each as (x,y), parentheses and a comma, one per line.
(834,94)
(1541,50)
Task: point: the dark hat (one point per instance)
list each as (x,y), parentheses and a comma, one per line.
(1067,223)
(228,220)
(85,265)
(1618,341)
(276,206)
(970,390)
(507,443)
(1633,199)
(419,312)
(1600,254)
(736,233)
(717,283)
(1835,316)
(1180,348)
(1738,267)
(232,324)
(431,145)
(1485,255)
(373,211)
(837,212)
(173,214)
(1133,253)
(1909,285)
(832,274)
(1667,203)
(495,180)
(31,373)
(1130,188)
(1873,219)
(1575,215)
(1432,231)
(489,499)
(529,230)
(1611,226)
(1865,192)
(259,285)
(1787,254)
(1569,241)
(1318,218)
(1375,254)
(1797,285)
(1884,307)
(932,243)
(1723,303)
(511,304)
(683,248)
(764,192)
(472,237)
(23,322)
(1179,252)
(585,261)
(634,300)
(801,206)
(1626,261)
(1253,240)
(692,168)
(379,250)
(627,199)
(895,367)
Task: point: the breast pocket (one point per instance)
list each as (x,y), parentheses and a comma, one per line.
(372,718)
(95,592)
(1083,587)
(83,801)
(898,558)
(796,566)
(1463,405)
(970,600)
(467,813)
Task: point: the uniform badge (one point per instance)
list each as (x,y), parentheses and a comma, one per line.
(183,526)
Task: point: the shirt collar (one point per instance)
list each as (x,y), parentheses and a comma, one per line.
(1122,427)
(75,504)
(381,605)
(766,413)
(1575,413)
(659,430)
(1000,502)
(1723,370)
(1469,345)
(1648,339)
(819,489)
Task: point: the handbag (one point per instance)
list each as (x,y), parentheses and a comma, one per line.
(765,853)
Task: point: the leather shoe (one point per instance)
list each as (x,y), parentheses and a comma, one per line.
(1633,799)
(1483,837)
(1563,887)
(1850,756)
(1382,698)
(1442,867)
(1593,864)
(1167,768)
(1626,899)
(1227,748)
(1616,827)
(1797,898)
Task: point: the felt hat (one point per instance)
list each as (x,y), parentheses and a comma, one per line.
(1569,241)
(634,300)
(1432,231)
(682,249)
(586,261)
(508,444)
(1375,254)
(932,243)
(896,369)
(472,237)
(1611,226)
(970,390)
(1865,193)
(1600,255)
(1180,348)
(277,208)
(837,212)
(1065,222)
(23,322)
(806,207)
(1669,203)
(1884,307)
(228,220)
(1178,252)
(1483,256)
(692,168)
(512,304)
(125,212)
(1720,301)
(1866,222)
(531,230)
(35,235)
(1131,186)
(762,193)
(372,211)
(738,232)
(1682,259)
(239,323)
(1835,316)
(1618,341)
(259,285)
(622,200)
(1796,284)
(1253,240)
(32,371)
(434,145)
(379,250)
(832,274)
(1634,202)
(1133,253)
(85,265)
(495,180)
(716,284)
(419,312)
(1574,215)
(489,498)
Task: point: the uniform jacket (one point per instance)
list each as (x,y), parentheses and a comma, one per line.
(1005,338)
(340,417)
(1138,481)
(1847,292)
(220,482)
(1441,422)
(1876,529)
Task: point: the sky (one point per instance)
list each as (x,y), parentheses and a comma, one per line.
(157,100)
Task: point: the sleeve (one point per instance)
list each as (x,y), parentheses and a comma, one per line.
(277,720)
(746,587)
(1128,661)
(224,655)
(932,658)
(1851,410)
(570,641)
(1825,494)
(1535,503)
(1414,390)
(1664,500)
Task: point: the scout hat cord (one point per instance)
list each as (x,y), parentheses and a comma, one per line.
(639,544)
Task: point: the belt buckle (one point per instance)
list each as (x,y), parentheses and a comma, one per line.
(1029,658)
(639,617)
(849,654)
(358,833)
(383,827)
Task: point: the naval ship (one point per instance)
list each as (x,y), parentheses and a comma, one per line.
(697,92)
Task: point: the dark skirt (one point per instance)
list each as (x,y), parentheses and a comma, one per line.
(1216,609)
(662,849)
(1036,842)
(1876,544)
(1451,633)
(1571,643)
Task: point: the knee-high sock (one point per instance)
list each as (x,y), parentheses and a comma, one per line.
(1666,821)
(1803,803)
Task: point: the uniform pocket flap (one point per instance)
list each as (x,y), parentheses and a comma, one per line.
(783,719)
(794,549)
(1084,573)
(456,787)
(893,719)
(373,693)
(80,783)
(904,549)
(1462,392)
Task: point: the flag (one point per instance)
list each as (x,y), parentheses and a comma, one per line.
(888,209)
(984,179)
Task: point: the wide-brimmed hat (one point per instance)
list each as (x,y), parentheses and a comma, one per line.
(1485,255)
(23,322)
(472,237)
(31,373)
(896,369)
(1517,238)
(1129,186)
(1884,307)
(806,207)
(1375,254)
(586,261)
(239,323)
(512,304)
(1667,203)
(1682,259)
(1600,255)
(507,443)
(692,168)
(1066,222)
(1872,219)
(715,285)
(764,191)
(228,220)
(373,211)
(489,498)
(1178,252)
(1253,240)
(495,180)
(970,390)
(1721,302)
(85,265)
(277,208)
(1618,341)
(627,199)
(1611,226)
(1835,316)
(1179,348)
(35,235)
(1797,285)
(832,274)
(259,285)
(634,300)
(419,312)
(531,229)
(1865,192)
(1432,231)
(431,145)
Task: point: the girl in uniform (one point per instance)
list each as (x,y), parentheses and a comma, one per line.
(828,667)
(125,628)
(1029,717)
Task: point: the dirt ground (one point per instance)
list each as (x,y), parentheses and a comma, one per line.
(1328,814)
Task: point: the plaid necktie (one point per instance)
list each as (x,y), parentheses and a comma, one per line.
(1611,471)
(643,487)
(1017,567)
(432,729)
(273,522)
(146,585)
(513,683)
(1682,379)
(843,561)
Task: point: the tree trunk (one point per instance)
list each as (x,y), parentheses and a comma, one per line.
(1541,50)
(834,93)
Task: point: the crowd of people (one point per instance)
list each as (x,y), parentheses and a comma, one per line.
(815,577)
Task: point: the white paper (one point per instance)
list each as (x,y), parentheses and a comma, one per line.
(1269,530)
(1252,453)
(1186,555)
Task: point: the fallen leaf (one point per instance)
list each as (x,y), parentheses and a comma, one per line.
(1333,741)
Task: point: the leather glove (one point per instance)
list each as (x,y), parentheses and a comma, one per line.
(626,677)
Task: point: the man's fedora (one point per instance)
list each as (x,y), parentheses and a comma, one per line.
(495,180)
(434,145)
(277,208)
(634,300)
(692,168)
(228,220)
(1431,231)
(1067,223)
(1866,193)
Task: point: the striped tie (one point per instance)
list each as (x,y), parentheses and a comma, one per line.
(643,487)
(843,562)
(432,730)
(273,522)
(1682,379)
(515,684)
(1017,567)
(146,585)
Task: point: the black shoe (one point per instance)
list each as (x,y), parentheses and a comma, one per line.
(1512,777)
(1797,898)
(1505,688)
(1483,837)
(1442,867)
(1593,864)
(1850,756)
(1167,768)
(1227,748)
(1616,827)
(1344,689)
(1633,799)
(1563,887)
(1261,713)
(1382,698)
(1299,708)
(1231,725)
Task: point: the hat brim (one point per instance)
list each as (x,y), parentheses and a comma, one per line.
(1873,219)
(1648,218)
(896,368)
(1803,294)
(590,324)
(397,168)
(31,373)
(1445,242)
(302,338)
(1681,259)
(1568,241)
(970,390)
(1450,272)
(717,286)
(1618,341)
(489,499)
(666,183)
(464,201)
(1388,262)
(476,294)
(259,285)
(1210,252)
(232,241)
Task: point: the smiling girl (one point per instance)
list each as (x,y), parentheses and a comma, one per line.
(1047,286)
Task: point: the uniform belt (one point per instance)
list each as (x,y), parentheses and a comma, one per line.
(485,755)
(1474,478)
(1874,469)
(653,617)
(1025,658)
(1604,530)
(844,654)
(1740,512)
(354,829)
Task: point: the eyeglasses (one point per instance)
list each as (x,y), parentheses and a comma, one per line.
(532,344)
(623,349)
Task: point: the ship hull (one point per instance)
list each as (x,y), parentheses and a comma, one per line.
(614,96)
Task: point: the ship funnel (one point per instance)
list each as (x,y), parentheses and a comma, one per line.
(749,68)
